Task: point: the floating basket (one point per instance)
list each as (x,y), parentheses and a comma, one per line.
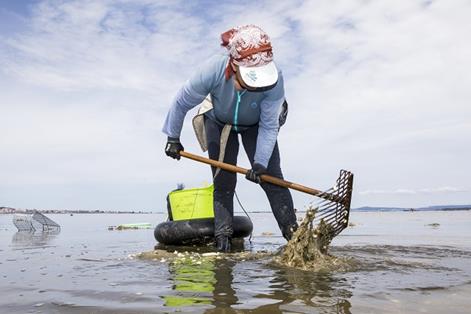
(35,222)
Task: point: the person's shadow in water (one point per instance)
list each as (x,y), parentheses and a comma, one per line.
(213,282)
(295,290)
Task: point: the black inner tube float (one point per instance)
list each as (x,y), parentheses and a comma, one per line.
(197,231)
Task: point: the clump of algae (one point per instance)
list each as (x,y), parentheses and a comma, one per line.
(197,257)
(308,248)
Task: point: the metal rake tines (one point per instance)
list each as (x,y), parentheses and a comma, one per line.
(335,208)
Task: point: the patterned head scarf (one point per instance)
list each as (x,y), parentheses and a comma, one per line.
(248,46)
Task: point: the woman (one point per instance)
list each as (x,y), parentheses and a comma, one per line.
(247,96)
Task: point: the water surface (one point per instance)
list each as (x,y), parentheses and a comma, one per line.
(404,262)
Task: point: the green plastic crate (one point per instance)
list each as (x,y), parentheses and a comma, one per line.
(192,203)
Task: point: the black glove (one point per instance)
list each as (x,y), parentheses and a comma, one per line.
(255,173)
(173,147)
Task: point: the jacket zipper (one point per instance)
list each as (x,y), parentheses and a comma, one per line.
(236,110)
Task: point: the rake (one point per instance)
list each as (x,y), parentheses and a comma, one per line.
(334,209)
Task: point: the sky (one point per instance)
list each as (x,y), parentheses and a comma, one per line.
(380,88)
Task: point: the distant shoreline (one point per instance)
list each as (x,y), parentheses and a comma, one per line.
(9,210)
(420,209)
(410,210)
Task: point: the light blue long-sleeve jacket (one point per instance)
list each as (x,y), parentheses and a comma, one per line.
(241,109)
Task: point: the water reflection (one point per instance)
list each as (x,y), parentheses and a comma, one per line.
(25,239)
(224,295)
(290,287)
(193,282)
(211,282)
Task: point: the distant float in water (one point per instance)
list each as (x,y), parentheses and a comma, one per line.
(141,225)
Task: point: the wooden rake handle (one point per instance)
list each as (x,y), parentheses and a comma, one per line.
(264,177)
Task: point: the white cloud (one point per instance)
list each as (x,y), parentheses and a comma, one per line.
(78,45)
(379,88)
(443,189)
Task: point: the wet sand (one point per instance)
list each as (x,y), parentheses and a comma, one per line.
(403,263)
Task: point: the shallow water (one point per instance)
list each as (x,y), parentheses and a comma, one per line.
(401,262)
